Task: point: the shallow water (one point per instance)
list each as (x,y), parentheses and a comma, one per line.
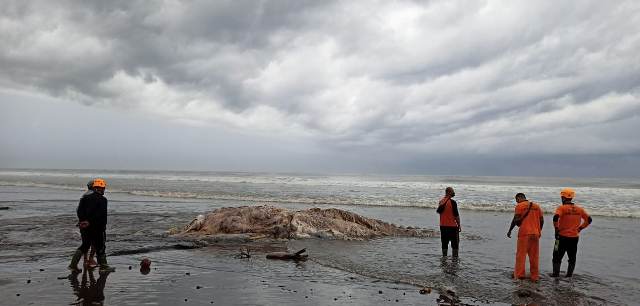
(38,231)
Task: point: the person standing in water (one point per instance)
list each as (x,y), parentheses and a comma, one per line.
(92,216)
(529,217)
(449,223)
(89,262)
(568,221)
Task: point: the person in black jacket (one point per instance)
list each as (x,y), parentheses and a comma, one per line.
(92,217)
(89,262)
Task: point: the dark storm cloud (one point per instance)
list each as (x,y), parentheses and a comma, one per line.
(419,77)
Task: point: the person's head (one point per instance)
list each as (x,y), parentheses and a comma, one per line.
(520,197)
(99,185)
(567,195)
(449,192)
(90,185)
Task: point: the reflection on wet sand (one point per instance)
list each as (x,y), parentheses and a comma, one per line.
(450,300)
(89,291)
(449,268)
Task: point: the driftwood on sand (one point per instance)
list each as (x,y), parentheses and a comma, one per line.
(257,222)
(297,256)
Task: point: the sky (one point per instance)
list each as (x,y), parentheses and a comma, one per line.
(544,88)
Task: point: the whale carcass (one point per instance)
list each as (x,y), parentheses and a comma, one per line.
(280,223)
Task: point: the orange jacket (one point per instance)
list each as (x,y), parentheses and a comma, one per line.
(530,225)
(448,210)
(569,218)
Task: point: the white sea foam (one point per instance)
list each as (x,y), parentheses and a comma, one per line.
(475,193)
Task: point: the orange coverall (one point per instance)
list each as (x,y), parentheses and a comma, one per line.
(528,240)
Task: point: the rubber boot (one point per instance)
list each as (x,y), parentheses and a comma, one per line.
(556,270)
(104,267)
(454,253)
(444,252)
(570,268)
(75,259)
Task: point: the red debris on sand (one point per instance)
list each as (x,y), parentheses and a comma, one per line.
(145,263)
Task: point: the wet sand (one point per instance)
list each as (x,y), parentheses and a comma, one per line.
(197,277)
(39,234)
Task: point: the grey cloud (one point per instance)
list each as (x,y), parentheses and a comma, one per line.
(424,76)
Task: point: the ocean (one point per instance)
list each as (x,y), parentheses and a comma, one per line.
(601,197)
(38,227)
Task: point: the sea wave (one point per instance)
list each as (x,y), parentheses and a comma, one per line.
(357,181)
(41,185)
(377,199)
(464,205)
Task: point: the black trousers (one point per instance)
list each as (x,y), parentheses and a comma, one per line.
(449,234)
(93,236)
(568,245)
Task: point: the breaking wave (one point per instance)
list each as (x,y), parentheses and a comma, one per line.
(601,197)
(383,200)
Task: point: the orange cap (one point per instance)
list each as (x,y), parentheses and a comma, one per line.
(99,183)
(568,193)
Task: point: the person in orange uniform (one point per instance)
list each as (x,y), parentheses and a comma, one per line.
(569,220)
(529,217)
(449,223)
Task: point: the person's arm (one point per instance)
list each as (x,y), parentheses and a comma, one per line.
(516,217)
(82,213)
(82,210)
(102,212)
(556,222)
(106,210)
(541,218)
(441,206)
(456,215)
(586,221)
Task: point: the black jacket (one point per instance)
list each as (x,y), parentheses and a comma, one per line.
(93,208)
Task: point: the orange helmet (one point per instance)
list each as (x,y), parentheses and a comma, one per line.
(99,183)
(568,193)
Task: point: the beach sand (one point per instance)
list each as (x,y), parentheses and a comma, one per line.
(198,277)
